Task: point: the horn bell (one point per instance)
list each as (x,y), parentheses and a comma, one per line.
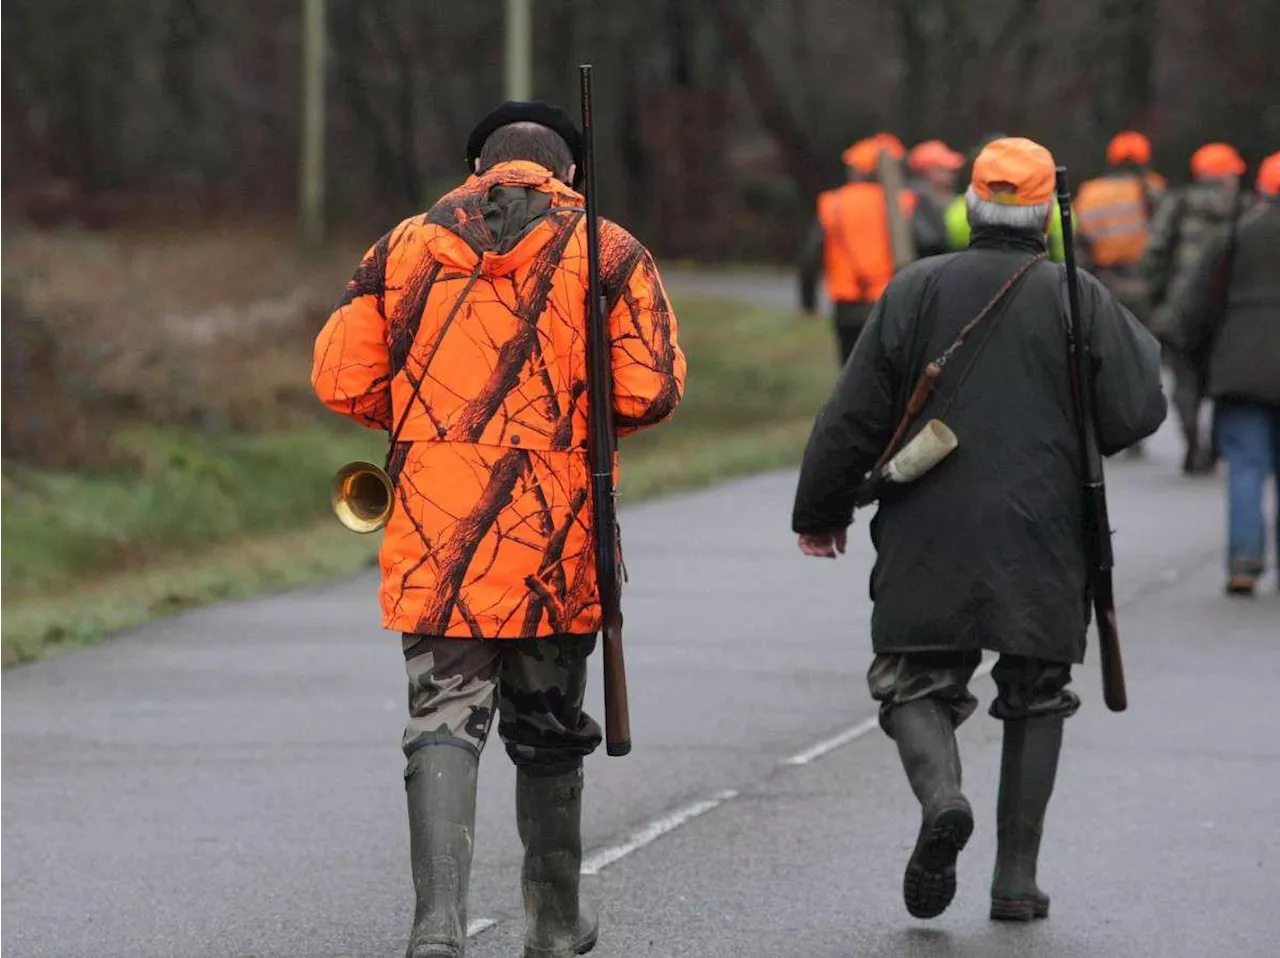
(362,495)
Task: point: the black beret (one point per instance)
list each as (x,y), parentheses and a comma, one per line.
(535,111)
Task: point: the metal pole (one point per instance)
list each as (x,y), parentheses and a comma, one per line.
(519,53)
(311,161)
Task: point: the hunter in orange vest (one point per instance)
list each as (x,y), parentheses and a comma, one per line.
(463,335)
(1114,214)
(849,240)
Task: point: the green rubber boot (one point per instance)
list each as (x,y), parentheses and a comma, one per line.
(926,740)
(440,784)
(1028,767)
(549,818)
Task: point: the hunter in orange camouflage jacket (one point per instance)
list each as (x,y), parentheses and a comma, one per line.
(462,333)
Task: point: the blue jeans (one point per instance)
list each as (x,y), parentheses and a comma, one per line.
(1250,437)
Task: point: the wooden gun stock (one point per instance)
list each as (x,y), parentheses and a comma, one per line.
(617,714)
(901,242)
(1114,692)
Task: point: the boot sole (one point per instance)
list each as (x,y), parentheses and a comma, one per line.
(1023,909)
(929,884)
(584,946)
(434,951)
(587,944)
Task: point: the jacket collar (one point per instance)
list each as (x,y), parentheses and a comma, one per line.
(1005,237)
(524,173)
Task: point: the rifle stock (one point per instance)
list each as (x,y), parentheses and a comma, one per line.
(617,717)
(601,449)
(901,242)
(1097,525)
(1114,692)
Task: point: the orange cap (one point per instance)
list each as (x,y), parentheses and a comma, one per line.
(1217,159)
(864,155)
(934,154)
(1269,175)
(1015,171)
(1129,147)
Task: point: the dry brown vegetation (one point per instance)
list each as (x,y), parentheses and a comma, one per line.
(208,329)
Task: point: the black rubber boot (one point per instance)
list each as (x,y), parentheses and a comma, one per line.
(440,784)
(1027,770)
(549,818)
(927,745)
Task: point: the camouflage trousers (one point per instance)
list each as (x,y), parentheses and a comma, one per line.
(536,686)
(1025,687)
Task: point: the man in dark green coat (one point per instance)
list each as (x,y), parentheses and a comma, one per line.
(987,550)
(1187,221)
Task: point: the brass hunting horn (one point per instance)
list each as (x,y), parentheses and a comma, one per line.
(361,495)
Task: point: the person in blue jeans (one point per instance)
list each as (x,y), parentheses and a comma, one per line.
(1249,436)
(1230,324)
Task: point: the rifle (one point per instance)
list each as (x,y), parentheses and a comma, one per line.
(1097,527)
(601,450)
(901,242)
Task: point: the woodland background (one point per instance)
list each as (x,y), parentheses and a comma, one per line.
(719,119)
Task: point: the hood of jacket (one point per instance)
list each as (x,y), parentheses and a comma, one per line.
(501,219)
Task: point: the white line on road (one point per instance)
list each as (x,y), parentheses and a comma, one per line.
(819,749)
(478,925)
(604,857)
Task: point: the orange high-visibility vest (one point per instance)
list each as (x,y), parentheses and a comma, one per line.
(1115,219)
(856,249)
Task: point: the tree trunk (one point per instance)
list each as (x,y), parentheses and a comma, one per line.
(766,97)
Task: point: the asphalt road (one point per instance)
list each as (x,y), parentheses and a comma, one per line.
(228,782)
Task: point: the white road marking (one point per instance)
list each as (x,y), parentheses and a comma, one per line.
(603,857)
(477,925)
(819,749)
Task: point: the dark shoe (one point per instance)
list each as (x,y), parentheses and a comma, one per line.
(1241,583)
(1189,462)
(440,784)
(1028,767)
(1198,460)
(927,746)
(549,817)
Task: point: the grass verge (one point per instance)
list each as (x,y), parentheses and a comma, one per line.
(199,518)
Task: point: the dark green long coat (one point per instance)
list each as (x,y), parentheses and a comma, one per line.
(986,551)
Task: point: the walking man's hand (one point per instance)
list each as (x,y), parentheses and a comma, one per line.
(824,545)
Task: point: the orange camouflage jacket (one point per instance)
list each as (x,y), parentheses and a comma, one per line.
(462,333)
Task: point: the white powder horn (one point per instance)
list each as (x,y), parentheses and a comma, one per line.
(926,449)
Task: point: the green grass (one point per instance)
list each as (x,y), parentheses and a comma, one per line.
(198,518)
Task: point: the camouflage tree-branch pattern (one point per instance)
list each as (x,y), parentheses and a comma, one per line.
(491,533)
